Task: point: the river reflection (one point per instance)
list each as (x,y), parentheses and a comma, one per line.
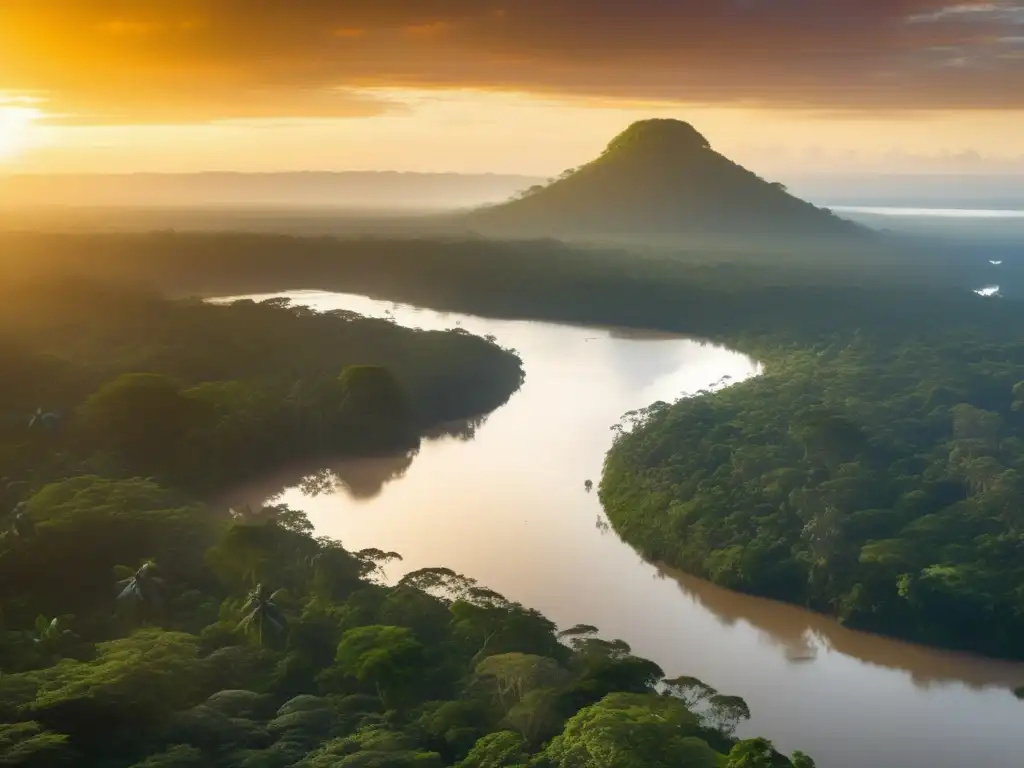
(505,501)
(801,635)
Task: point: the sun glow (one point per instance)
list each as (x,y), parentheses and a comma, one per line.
(16,129)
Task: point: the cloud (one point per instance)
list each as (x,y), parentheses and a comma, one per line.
(980,12)
(199,60)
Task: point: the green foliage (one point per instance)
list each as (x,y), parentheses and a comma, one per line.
(387,657)
(87,526)
(756,753)
(876,479)
(178,756)
(373,400)
(143,589)
(141,418)
(263,617)
(625,730)
(433,671)
(371,748)
(29,745)
(503,749)
(511,676)
(159,697)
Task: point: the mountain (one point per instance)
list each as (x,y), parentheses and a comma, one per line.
(659,177)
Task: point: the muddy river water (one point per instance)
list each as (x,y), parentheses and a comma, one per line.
(504,501)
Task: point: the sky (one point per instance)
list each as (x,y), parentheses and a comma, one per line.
(510,86)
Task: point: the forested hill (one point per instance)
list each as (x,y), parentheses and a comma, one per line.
(660,176)
(155,386)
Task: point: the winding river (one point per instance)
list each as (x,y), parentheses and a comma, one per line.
(504,501)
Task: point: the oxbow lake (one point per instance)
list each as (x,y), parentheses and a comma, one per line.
(504,501)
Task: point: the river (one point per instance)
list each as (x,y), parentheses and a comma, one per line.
(504,502)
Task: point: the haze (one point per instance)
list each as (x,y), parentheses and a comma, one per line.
(478,383)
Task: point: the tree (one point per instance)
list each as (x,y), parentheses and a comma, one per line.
(371,747)
(89,525)
(632,731)
(336,572)
(386,656)
(373,399)
(142,418)
(503,749)
(143,588)
(373,561)
(29,745)
(442,583)
(245,515)
(486,623)
(511,676)
(756,753)
(534,714)
(51,637)
(263,617)
(727,712)
(694,693)
(132,683)
(44,420)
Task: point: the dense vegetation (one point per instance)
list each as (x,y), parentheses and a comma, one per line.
(200,661)
(871,473)
(892,351)
(141,629)
(200,395)
(879,482)
(723,284)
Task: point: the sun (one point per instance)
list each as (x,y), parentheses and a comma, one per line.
(16,129)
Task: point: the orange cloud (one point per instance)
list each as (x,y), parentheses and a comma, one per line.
(196,60)
(427,32)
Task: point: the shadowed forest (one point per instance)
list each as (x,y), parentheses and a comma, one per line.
(142,626)
(872,473)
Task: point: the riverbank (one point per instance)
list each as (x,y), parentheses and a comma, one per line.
(907,352)
(169,635)
(204,396)
(871,481)
(798,317)
(507,504)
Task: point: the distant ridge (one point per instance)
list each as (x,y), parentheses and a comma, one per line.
(659,176)
(351,190)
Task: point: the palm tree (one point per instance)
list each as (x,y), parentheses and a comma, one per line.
(262,615)
(41,419)
(143,587)
(50,636)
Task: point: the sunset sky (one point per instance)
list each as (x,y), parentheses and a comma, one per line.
(530,86)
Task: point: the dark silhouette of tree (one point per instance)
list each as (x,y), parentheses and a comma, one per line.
(263,617)
(144,588)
